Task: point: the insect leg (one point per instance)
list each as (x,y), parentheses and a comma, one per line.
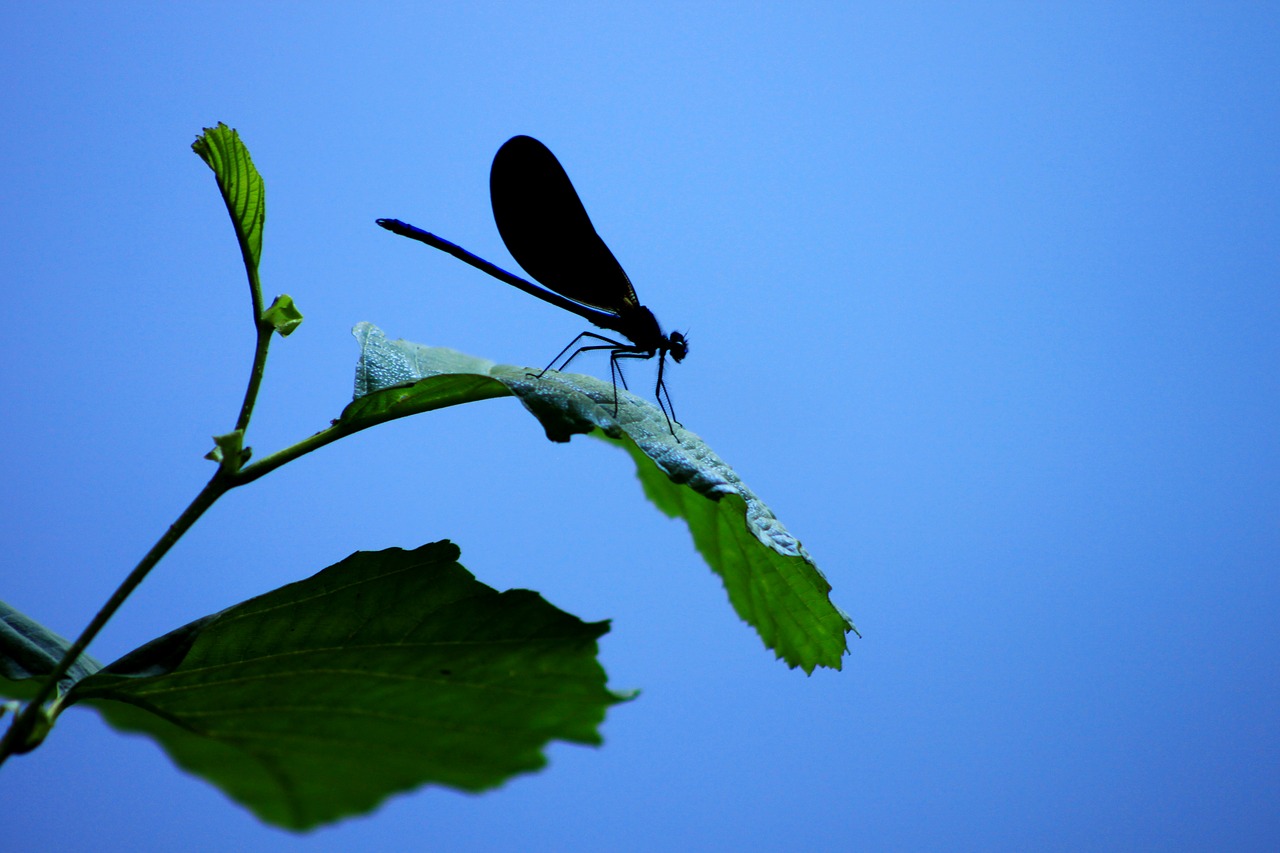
(658,391)
(661,388)
(611,344)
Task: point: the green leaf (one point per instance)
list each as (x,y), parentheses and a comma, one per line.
(772,582)
(241,186)
(283,315)
(29,651)
(776,588)
(384,672)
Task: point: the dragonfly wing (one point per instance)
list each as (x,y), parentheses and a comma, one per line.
(547,230)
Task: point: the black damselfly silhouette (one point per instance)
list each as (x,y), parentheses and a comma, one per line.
(546,229)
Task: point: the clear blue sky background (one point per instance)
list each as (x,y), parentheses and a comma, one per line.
(982,302)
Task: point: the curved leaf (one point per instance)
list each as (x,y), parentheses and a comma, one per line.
(772,582)
(776,589)
(242,187)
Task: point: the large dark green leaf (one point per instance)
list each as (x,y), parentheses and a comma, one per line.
(772,581)
(384,672)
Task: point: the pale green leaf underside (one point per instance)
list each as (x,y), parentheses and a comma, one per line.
(29,651)
(384,672)
(772,582)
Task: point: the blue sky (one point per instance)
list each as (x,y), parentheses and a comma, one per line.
(983,302)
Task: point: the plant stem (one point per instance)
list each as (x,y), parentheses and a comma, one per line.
(264,331)
(15,739)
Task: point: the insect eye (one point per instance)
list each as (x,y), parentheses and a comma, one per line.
(679,346)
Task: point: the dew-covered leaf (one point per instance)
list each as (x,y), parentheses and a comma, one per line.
(772,582)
